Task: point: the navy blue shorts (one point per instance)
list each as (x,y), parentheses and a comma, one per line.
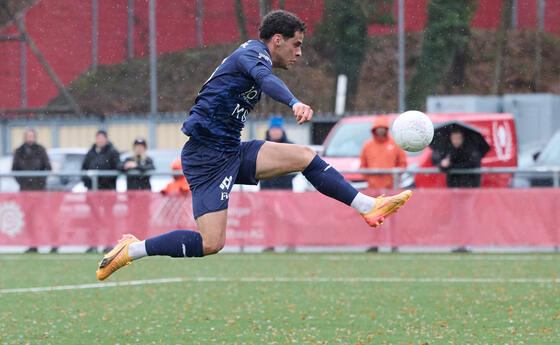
(211,173)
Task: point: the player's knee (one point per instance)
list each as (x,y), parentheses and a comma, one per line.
(307,155)
(213,245)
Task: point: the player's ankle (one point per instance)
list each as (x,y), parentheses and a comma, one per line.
(363,203)
(137,250)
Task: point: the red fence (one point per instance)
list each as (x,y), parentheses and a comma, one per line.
(62,30)
(432,217)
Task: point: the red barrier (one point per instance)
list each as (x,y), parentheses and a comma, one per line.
(432,217)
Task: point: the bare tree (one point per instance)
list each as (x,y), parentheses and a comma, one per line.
(265,7)
(538,45)
(243,34)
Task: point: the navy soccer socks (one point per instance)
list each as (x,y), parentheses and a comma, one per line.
(329,181)
(177,244)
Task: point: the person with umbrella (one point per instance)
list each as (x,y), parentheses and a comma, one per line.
(457,145)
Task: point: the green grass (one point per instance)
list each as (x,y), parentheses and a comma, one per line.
(308,299)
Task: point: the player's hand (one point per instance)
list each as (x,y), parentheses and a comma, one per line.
(302,112)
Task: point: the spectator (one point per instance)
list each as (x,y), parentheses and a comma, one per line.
(179,183)
(277,134)
(381,152)
(31,156)
(138,162)
(101,156)
(458,155)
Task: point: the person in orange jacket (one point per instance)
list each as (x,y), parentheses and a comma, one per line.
(179,183)
(381,152)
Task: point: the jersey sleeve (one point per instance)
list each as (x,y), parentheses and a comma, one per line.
(259,67)
(251,58)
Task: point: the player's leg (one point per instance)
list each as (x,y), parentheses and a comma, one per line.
(210,194)
(275,159)
(209,239)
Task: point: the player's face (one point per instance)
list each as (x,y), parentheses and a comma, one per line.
(287,50)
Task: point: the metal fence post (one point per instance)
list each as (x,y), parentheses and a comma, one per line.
(94,179)
(199,14)
(130,29)
(94,33)
(23,66)
(153,58)
(401,57)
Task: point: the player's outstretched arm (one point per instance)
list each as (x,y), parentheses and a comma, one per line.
(302,112)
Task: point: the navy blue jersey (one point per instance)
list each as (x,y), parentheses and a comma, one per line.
(232,91)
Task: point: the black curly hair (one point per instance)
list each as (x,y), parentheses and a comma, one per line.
(280,22)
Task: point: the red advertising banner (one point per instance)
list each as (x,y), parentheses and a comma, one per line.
(432,217)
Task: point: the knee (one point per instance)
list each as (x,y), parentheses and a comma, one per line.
(307,155)
(212,245)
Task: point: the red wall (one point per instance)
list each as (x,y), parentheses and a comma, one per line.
(62,31)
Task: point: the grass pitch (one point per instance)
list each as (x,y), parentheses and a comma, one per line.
(283,299)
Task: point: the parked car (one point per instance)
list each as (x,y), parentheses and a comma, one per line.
(549,157)
(344,142)
(62,160)
(7,184)
(65,160)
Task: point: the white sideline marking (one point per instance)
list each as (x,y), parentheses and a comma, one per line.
(335,257)
(283,280)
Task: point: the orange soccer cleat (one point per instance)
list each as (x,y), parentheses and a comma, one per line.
(384,207)
(116,258)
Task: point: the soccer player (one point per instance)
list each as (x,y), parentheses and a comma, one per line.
(214,158)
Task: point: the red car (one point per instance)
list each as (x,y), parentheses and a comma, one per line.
(345,140)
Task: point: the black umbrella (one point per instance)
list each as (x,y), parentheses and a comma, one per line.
(473,139)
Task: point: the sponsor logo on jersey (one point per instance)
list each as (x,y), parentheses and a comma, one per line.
(240,113)
(224,186)
(265,57)
(250,94)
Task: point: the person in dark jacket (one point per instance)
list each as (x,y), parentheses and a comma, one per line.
(277,134)
(31,156)
(101,156)
(459,156)
(138,162)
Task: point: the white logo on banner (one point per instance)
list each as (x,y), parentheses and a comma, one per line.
(11,218)
(503,140)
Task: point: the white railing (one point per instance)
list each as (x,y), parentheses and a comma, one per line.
(553,172)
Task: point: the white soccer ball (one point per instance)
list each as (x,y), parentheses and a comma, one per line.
(413,131)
